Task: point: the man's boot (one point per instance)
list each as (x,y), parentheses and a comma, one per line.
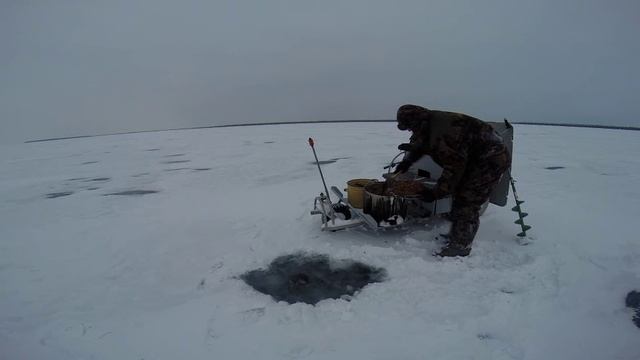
(453,249)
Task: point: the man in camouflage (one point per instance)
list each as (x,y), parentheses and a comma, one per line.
(473,157)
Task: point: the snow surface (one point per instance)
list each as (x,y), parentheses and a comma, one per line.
(154,276)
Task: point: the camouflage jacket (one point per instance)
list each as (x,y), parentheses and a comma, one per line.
(455,142)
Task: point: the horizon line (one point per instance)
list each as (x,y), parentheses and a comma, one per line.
(612,127)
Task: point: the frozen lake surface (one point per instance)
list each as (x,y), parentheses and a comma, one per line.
(132,247)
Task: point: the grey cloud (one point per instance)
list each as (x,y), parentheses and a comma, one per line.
(79,67)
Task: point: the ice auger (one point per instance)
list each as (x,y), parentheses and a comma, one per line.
(521,214)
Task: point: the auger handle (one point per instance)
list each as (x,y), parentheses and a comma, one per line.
(312,143)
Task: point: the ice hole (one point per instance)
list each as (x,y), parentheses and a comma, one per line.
(310,278)
(176,161)
(132,192)
(59,194)
(633,301)
(323,162)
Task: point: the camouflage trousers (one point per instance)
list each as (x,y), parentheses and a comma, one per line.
(478,181)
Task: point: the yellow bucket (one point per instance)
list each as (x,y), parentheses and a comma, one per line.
(355,191)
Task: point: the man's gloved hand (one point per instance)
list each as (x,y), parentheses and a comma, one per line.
(402,167)
(405,147)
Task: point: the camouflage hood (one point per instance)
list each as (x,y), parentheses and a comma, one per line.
(410,116)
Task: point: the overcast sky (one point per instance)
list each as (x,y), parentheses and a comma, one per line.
(83,67)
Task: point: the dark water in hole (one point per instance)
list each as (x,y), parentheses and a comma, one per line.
(133,192)
(554,167)
(100,179)
(59,194)
(310,278)
(633,300)
(201,169)
(89,162)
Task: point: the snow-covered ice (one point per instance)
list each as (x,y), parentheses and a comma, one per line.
(130,247)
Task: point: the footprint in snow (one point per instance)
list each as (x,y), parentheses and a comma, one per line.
(299,352)
(212,334)
(500,346)
(252,315)
(217,266)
